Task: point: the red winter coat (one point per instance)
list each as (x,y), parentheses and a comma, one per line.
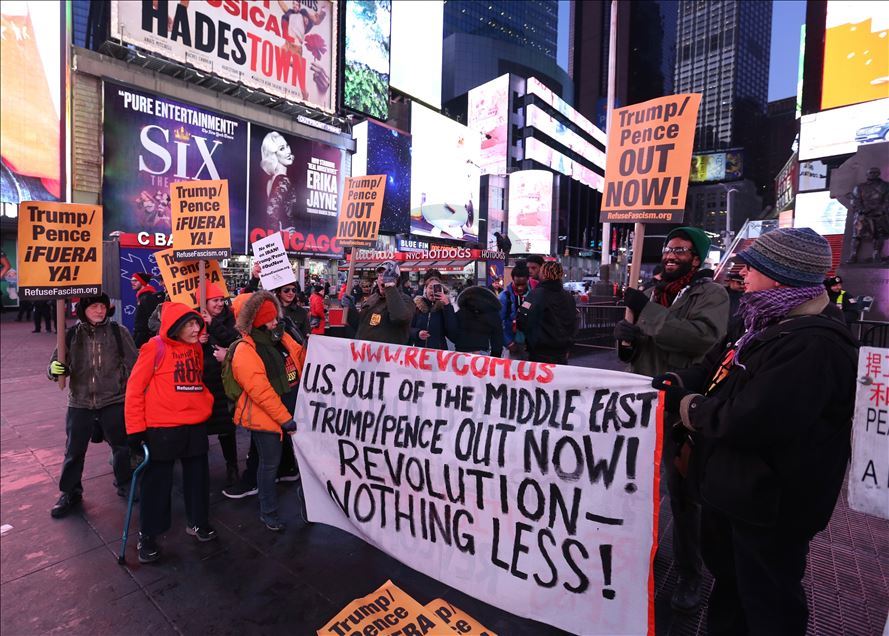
(316,308)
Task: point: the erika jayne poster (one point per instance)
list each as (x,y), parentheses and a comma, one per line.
(152,142)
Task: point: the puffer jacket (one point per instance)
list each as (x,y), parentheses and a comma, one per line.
(478,321)
(677,336)
(221,331)
(169,391)
(439,320)
(386,318)
(97,372)
(259,407)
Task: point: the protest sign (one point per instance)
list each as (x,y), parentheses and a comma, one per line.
(648,159)
(530,486)
(199,211)
(181,278)
(274,266)
(869,472)
(458,621)
(60,247)
(360,210)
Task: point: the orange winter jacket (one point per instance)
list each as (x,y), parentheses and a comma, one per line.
(260,407)
(165,388)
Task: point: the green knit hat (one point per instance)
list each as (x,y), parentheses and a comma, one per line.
(698,238)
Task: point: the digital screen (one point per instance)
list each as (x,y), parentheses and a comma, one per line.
(535,87)
(488,113)
(417,32)
(812,175)
(819,212)
(366,87)
(856,53)
(842,130)
(548,125)
(383,150)
(31,117)
(538,151)
(531,211)
(286,49)
(444,176)
(717,166)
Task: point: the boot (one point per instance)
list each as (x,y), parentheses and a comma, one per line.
(232,476)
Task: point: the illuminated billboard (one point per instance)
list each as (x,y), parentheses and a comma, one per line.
(287,49)
(856,53)
(366,84)
(535,87)
(417,32)
(444,176)
(488,113)
(549,126)
(840,131)
(383,150)
(530,211)
(538,151)
(717,166)
(31,51)
(819,212)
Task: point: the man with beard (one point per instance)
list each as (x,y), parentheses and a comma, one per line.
(675,324)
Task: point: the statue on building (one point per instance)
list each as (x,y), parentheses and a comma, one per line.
(870,205)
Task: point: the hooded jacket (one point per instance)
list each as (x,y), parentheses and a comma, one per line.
(386,317)
(260,408)
(677,336)
(478,321)
(439,320)
(97,372)
(316,310)
(147,301)
(773,436)
(170,391)
(548,318)
(222,332)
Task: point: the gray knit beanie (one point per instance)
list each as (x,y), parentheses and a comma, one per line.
(796,257)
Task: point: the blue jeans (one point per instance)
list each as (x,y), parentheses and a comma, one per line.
(268,447)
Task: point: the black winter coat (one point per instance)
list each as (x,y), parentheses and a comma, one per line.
(478,321)
(548,317)
(222,333)
(440,321)
(147,300)
(772,438)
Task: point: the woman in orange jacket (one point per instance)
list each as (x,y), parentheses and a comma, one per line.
(316,311)
(167,406)
(267,365)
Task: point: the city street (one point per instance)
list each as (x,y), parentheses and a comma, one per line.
(63,576)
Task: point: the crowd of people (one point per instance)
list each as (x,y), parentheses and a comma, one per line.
(758,378)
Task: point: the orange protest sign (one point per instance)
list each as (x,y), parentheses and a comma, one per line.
(360,211)
(387,610)
(181,277)
(458,621)
(199,212)
(60,247)
(648,158)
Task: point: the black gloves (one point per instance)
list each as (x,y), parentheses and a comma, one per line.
(635,300)
(625,331)
(673,392)
(289,427)
(137,454)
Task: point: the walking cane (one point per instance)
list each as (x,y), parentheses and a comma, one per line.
(121,559)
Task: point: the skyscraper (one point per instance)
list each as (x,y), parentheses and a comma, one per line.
(722,51)
(527,23)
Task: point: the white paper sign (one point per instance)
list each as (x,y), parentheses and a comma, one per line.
(869,472)
(275,269)
(530,486)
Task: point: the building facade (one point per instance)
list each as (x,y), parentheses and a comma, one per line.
(532,24)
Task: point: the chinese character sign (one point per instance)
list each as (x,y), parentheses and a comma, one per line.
(869,473)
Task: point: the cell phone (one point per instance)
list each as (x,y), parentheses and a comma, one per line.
(437,289)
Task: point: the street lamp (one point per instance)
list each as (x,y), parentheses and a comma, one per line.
(728,211)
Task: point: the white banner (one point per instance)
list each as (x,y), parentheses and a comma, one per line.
(274,267)
(869,472)
(530,486)
(285,49)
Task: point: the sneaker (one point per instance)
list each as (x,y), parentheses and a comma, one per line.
(202,533)
(239,491)
(64,504)
(687,595)
(288,477)
(149,552)
(274,524)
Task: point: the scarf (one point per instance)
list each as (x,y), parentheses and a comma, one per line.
(763,309)
(665,291)
(272,360)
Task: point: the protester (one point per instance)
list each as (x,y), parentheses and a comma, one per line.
(535,262)
(100,355)
(676,323)
(267,365)
(548,317)
(295,316)
(147,300)
(350,303)
(478,322)
(838,296)
(434,321)
(734,287)
(516,348)
(657,275)
(316,310)
(167,406)
(386,314)
(220,333)
(770,419)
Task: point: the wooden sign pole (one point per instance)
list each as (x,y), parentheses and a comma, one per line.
(202,285)
(61,327)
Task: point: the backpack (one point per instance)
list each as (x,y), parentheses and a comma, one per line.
(232,389)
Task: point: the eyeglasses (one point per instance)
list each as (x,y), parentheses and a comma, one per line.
(288,290)
(679,251)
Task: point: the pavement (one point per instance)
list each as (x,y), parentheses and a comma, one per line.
(63,576)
